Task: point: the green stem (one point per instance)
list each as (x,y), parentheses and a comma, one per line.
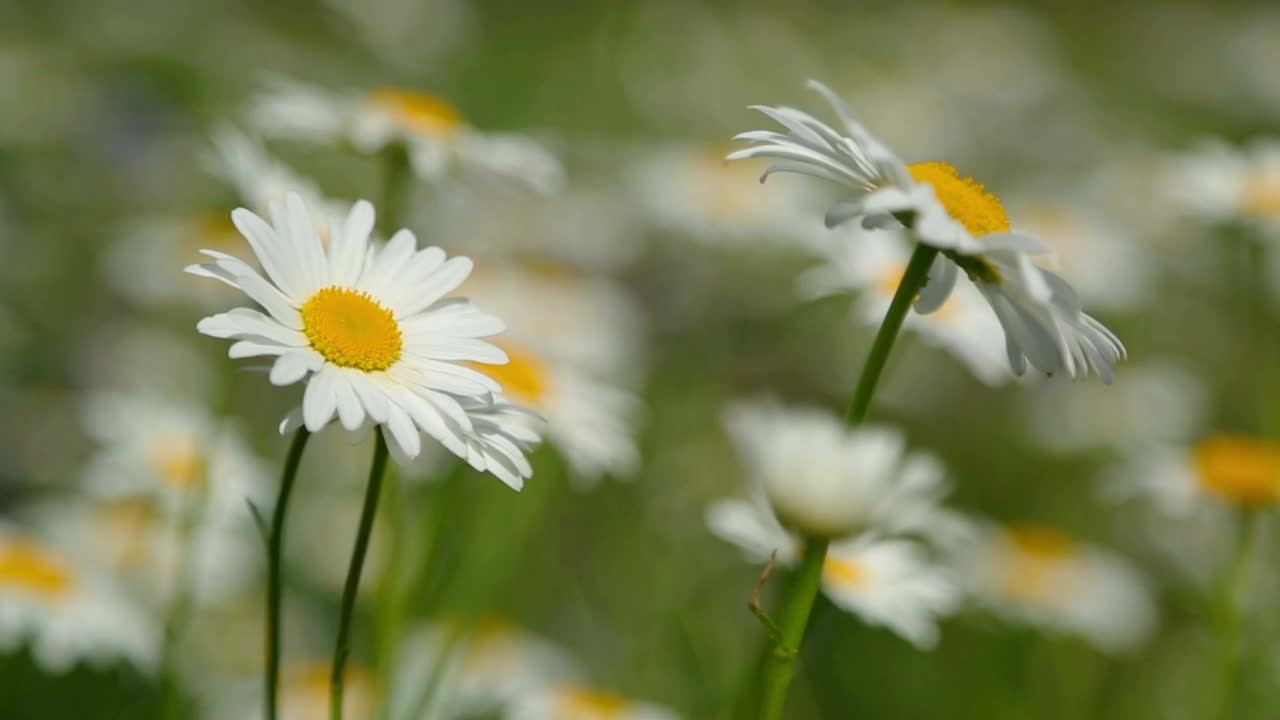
(275,543)
(780,666)
(181,605)
(913,280)
(1231,608)
(395,188)
(341,648)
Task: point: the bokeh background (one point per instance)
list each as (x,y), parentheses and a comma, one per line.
(1087,120)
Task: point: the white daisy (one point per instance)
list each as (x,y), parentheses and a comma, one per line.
(1153,403)
(567,338)
(571,702)
(1220,470)
(140,263)
(65,610)
(1040,313)
(693,191)
(824,478)
(305,687)
(1220,183)
(370,330)
(885,582)
(260,179)
(1040,576)
(489,666)
(434,132)
(872,262)
(170,450)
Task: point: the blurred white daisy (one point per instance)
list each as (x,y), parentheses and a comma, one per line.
(485,667)
(887,582)
(1220,183)
(1040,313)
(171,450)
(1154,403)
(1220,470)
(567,339)
(824,478)
(1041,576)
(260,179)
(871,263)
(304,692)
(435,134)
(66,610)
(571,702)
(140,263)
(371,332)
(694,191)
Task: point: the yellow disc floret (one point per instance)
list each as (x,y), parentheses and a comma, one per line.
(964,198)
(1241,470)
(29,568)
(1033,570)
(524,377)
(351,329)
(581,704)
(844,572)
(178,462)
(418,112)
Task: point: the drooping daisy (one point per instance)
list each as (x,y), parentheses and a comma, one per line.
(571,702)
(568,337)
(872,262)
(886,582)
(1156,403)
(491,664)
(371,332)
(1041,576)
(66,610)
(434,132)
(692,190)
(1041,314)
(823,478)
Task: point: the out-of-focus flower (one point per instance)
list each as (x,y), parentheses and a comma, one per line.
(694,191)
(1221,184)
(484,668)
(872,262)
(1238,471)
(304,692)
(569,340)
(65,609)
(1152,404)
(1041,576)
(1041,314)
(886,582)
(823,478)
(169,450)
(141,264)
(570,702)
(260,180)
(370,330)
(437,137)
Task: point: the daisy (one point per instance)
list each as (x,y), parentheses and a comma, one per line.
(65,610)
(571,702)
(493,664)
(1220,183)
(1221,470)
(260,179)
(872,263)
(370,331)
(304,692)
(170,450)
(826,479)
(139,263)
(435,134)
(1040,313)
(1038,575)
(886,582)
(567,338)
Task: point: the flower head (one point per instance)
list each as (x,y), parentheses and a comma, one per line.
(573,702)
(371,332)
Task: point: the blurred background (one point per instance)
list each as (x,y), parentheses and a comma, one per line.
(664,285)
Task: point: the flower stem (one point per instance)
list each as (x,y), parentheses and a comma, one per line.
(1231,608)
(917,273)
(395,188)
(275,543)
(780,667)
(368,512)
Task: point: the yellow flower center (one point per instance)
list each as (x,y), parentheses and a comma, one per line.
(351,329)
(178,462)
(729,191)
(844,572)
(26,567)
(1242,470)
(125,528)
(306,693)
(581,704)
(1262,195)
(1033,569)
(524,377)
(418,112)
(964,198)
